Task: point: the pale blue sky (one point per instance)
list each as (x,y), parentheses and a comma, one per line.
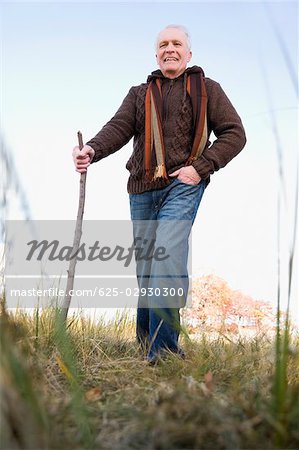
(67,66)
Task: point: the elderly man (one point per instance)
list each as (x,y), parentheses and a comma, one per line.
(170,118)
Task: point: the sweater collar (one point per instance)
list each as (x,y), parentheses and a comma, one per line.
(158,74)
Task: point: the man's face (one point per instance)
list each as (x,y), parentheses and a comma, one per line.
(173,53)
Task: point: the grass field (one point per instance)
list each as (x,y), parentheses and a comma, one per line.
(89,387)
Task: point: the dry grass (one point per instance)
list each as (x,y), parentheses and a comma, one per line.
(90,387)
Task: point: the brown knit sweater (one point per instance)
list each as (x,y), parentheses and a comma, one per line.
(129,121)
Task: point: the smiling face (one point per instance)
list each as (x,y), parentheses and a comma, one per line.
(173,53)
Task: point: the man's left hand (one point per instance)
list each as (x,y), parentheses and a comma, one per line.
(187,175)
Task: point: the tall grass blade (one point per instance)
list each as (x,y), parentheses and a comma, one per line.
(282,395)
(284,50)
(68,366)
(24,421)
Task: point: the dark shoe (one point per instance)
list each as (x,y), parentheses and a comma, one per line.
(181,353)
(154,359)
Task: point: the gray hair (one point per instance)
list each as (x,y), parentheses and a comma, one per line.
(179,27)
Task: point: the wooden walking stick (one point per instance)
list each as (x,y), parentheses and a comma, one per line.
(76,243)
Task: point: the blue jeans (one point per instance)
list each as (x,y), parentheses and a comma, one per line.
(164,216)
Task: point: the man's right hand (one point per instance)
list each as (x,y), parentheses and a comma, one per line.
(82,158)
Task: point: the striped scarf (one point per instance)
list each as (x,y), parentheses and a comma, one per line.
(195,86)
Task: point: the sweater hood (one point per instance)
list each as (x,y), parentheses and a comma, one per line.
(158,74)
